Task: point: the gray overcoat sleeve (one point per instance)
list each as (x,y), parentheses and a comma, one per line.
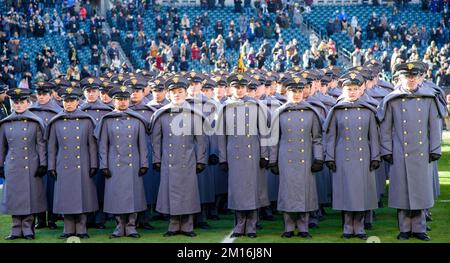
(317,139)
(92,146)
(52,148)
(386,131)
(41,147)
(143,146)
(374,137)
(156,140)
(103,145)
(330,139)
(435,129)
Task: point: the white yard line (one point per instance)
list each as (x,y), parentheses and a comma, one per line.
(228,238)
(1,186)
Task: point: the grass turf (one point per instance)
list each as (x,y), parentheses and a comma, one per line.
(329,231)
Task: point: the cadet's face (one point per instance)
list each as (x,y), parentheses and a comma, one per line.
(20,105)
(70,104)
(137,95)
(239,91)
(409,81)
(228,91)
(351,92)
(295,96)
(219,92)
(56,96)
(178,95)
(43,97)
(307,91)
(323,88)
(2,97)
(147,90)
(105,97)
(91,95)
(159,96)
(251,93)
(194,89)
(273,88)
(261,90)
(121,103)
(208,92)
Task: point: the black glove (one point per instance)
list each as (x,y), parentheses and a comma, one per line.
(274,168)
(2,172)
(374,164)
(106,173)
(388,158)
(434,157)
(224,166)
(41,171)
(157,167)
(317,166)
(331,165)
(213,159)
(93,172)
(200,167)
(142,171)
(263,163)
(53,174)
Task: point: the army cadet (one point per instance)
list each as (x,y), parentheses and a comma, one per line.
(59,83)
(4,111)
(324,186)
(410,128)
(23,163)
(104,97)
(139,105)
(180,154)
(220,176)
(241,123)
(122,140)
(158,93)
(96,109)
(352,154)
(202,103)
(46,108)
(296,156)
(72,162)
(335,90)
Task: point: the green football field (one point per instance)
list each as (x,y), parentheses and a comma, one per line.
(329,231)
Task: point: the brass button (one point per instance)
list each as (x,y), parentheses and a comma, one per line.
(65,119)
(404,121)
(289,150)
(302,150)
(302,161)
(346,117)
(129,126)
(26,167)
(77,119)
(25,121)
(419,109)
(347,159)
(24,129)
(405,132)
(249,146)
(347,128)
(359,118)
(78,167)
(289,119)
(12,158)
(65,157)
(46,119)
(360,149)
(78,137)
(77,127)
(118,165)
(117,146)
(345,109)
(171,114)
(64,138)
(418,99)
(98,110)
(302,130)
(249,157)
(237,157)
(289,130)
(78,147)
(78,157)
(64,128)
(25,138)
(65,147)
(403,100)
(405,143)
(130,164)
(302,140)
(359,128)
(170,145)
(421,154)
(96,119)
(128,118)
(420,142)
(347,138)
(289,161)
(358,108)
(289,140)
(170,134)
(360,159)
(419,121)
(302,119)
(129,145)
(129,135)
(117,127)
(170,155)
(360,139)
(420,132)
(117,136)
(25,148)
(404,110)
(406,155)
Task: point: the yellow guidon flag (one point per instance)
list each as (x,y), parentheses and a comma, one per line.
(241,66)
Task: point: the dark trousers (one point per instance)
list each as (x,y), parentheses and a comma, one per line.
(184,223)
(126,224)
(75,224)
(245,222)
(298,219)
(354,222)
(412,221)
(22,225)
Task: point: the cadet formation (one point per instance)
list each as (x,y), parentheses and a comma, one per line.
(184,147)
